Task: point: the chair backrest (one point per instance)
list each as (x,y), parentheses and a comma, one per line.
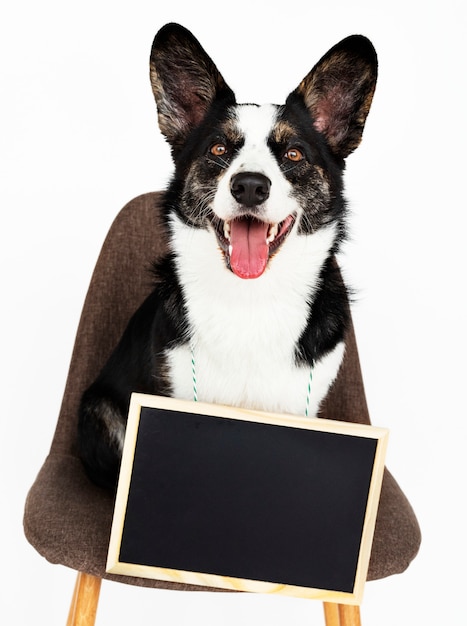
(120,282)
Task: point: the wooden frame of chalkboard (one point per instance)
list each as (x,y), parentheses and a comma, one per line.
(246,500)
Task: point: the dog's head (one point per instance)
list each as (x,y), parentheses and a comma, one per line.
(254,174)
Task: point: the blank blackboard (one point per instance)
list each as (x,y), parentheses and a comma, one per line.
(246,500)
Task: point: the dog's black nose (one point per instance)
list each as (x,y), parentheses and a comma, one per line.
(250,188)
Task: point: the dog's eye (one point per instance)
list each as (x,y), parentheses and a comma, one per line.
(294,154)
(218,149)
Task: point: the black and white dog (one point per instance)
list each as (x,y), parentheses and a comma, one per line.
(250,291)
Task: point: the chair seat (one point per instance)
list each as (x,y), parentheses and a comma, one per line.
(63,498)
(68,519)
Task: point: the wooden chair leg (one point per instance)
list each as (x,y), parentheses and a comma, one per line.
(331,614)
(349,615)
(341,614)
(83,607)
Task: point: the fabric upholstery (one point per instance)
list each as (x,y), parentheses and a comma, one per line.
(68,519)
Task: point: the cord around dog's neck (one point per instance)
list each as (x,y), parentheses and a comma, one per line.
(193,374)
(195,385)
(308,392)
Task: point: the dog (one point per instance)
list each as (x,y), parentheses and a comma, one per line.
(248,308)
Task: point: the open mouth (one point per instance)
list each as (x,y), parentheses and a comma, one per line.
(248,243)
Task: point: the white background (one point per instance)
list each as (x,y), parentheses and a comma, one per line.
(79,138)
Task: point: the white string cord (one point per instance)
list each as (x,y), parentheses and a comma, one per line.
(195,385)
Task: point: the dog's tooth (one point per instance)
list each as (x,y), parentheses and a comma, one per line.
(272,232)
(227,230)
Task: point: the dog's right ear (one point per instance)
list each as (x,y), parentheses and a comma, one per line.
(185,82)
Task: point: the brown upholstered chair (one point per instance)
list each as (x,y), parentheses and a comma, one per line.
(67,518)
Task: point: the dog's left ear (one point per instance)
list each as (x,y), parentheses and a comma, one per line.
(185,82)
(338,92)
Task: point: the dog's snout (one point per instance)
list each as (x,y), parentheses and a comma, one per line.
(250,188)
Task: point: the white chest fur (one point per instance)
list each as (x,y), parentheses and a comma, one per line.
(245,331)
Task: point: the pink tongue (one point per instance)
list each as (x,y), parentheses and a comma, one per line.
(249,250)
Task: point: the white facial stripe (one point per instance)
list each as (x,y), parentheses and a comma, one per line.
(255,124)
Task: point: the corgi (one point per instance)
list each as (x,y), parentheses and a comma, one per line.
(248,308)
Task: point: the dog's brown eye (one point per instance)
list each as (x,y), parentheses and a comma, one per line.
(218,149)
(294,154)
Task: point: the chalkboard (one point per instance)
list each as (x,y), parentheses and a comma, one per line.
(246,500)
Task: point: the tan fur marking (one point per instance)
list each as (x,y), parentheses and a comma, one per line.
(231,131)
(283,131)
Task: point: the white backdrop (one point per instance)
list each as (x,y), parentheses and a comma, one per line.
(79,138)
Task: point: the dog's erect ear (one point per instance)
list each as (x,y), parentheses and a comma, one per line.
(338,92)
(184,80)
